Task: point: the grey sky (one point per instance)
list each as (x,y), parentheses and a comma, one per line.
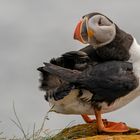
(33,31)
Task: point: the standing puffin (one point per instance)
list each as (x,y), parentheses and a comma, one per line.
(114,44)
(109,42)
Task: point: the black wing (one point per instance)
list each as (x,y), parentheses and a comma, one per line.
(92,53)
(53,85)
(108,81)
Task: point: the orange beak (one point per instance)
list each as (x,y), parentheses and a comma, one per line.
(82,29)
(77,32)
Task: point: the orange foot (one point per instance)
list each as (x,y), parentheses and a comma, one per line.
(115,127)
(110,126)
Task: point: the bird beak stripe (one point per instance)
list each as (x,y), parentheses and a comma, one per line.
(77,32)
(89,30)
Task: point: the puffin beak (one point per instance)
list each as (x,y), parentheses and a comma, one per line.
(77,32)
(83,32)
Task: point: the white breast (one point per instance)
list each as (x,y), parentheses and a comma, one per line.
(135,60)
(135,57)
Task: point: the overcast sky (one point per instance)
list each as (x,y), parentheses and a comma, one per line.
(34,31)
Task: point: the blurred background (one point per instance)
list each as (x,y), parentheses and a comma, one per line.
(34,31)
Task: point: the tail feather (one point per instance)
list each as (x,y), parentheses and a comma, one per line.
(66,74)
(43,79)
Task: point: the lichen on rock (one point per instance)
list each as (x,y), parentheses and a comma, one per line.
(90,132)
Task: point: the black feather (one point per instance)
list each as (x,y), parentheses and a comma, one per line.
(53,85)
(108,81)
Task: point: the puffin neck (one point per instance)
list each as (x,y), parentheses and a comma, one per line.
(118,49)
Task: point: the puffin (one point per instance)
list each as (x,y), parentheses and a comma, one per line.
(115,44)
(109,42)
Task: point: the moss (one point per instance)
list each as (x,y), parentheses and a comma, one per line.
(90,132)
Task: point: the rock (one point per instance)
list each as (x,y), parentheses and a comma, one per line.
(119,137)
(90,132)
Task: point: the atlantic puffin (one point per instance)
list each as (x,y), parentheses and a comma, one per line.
(120,46)
(109,42)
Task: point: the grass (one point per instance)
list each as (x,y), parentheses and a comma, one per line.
(68,133)
(37,134)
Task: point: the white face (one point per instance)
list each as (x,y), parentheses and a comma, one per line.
(97,30)
(104,30)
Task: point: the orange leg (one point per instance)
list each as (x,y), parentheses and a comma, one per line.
(87,119)
(111,126)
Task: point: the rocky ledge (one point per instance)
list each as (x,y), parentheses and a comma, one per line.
(90,132)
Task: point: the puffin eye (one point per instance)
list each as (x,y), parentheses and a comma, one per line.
(100,21)
(103,21)
(83,16)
